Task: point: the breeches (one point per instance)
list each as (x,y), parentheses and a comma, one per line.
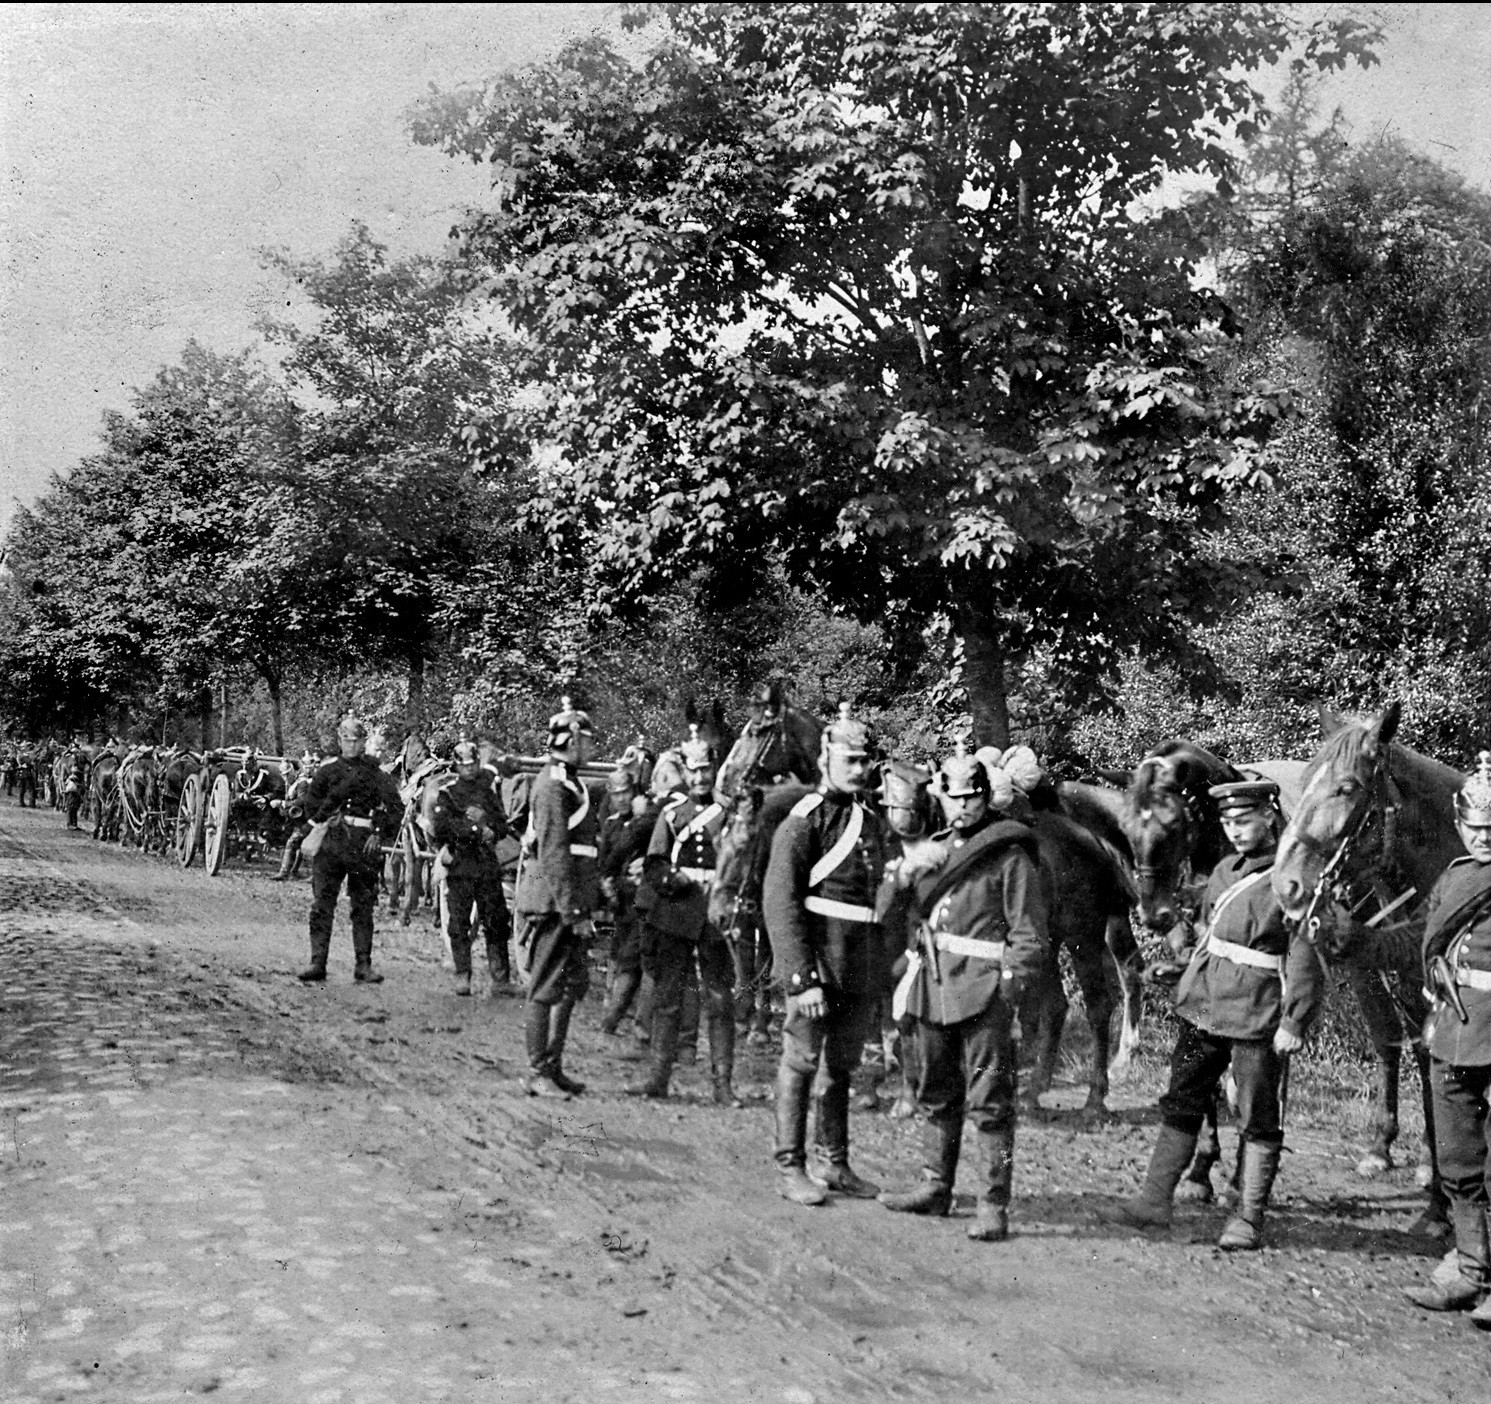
(1462,1131)
(558,970)
(968,1069)
(672,962)
(482,892)
(328,870)
(626,940)
(1196,1068)
(836,1040)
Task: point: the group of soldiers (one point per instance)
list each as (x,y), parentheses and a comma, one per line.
(865,905)
(24,770)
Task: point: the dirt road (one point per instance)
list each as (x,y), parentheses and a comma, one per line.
(215,1180)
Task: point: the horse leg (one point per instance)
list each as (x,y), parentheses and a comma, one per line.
(1043,1012)
(1435,1220)
(1196,1188)
(1386,1032)
(1090,962)
(1127,962)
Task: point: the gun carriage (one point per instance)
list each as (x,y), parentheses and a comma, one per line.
(234,804)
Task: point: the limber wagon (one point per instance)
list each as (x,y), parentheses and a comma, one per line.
(234,805)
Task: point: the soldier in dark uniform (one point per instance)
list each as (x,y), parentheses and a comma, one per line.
(1457,1033)
(294,808)
(361,809)
(75,786)
(978,934)
(468,821)
(674,899)
(818,905)
(558,893)
(624,839)
(28,763)
(1248,996)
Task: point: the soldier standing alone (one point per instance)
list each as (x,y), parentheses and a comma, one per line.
(469,821)
(558,891)
(361,809)
(818,904)
(1457,957)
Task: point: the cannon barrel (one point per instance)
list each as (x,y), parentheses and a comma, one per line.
(532,765)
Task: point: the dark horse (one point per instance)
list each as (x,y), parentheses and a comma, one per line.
(1375,822)
(103,796)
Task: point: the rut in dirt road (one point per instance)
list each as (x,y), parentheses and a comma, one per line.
(216,1179)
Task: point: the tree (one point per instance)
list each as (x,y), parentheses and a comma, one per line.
(868,286)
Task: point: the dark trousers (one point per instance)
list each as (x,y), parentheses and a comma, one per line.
(483,892)
(968,1070)
(1196,1068)
(74,804)
(28,787)
(558,967)
(329,868)
(1462,1130)
(834,1041)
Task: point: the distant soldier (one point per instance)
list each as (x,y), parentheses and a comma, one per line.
(818,904)
(978,933)
(1249,994)
(1457,959)
(75,785)
(294,807)
(558,893)
(624,839)
(469,821)
(674,898)
(361,809)
(27,764)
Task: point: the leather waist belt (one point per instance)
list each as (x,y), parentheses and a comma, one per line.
(969,946)
(353,822)
(1245,955)
(845,911)
(584,850)
(703,876)
(1472,979)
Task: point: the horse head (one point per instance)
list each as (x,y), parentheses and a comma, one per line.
(1374,818)
(779,742)
(1172,825)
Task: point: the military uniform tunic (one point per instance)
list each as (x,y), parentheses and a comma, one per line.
(1248,977)
(1459,928)
(473,875)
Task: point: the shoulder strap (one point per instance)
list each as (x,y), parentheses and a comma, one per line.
(1242,885)
(701,820)
(584,809)
(806,805)
(834,858)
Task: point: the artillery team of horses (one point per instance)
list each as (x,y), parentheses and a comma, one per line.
(1368,826)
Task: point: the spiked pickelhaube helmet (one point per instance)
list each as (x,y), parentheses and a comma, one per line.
(696,751)
(568,723)
(961,775)
(846,736)
(1473,800)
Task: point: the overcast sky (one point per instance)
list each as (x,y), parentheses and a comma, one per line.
(149,150)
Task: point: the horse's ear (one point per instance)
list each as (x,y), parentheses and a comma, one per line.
(1331,721)
(690,712)
(774,693)
(1122,778)
(717,716)
(1387,723)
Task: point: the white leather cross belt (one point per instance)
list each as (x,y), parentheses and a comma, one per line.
(844,911)
(584,850)
(1472,979)
(703,876)
(968,946)
(353,822)
(1245,955)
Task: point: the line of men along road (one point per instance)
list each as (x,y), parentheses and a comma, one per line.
(863,905)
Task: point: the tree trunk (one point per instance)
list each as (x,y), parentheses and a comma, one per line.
(276,711)
(983,675)
(414,712)
(223,722)
(204,717)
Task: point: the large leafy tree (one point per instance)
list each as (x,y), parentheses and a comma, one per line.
(872,287)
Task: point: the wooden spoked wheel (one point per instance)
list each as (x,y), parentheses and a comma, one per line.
(215,829)
(189,821)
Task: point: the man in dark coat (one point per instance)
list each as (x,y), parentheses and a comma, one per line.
(818,905)
(468,822)
(1249,995)
(361,809)
(977,935)
(674,899)
(558,893)
(624,838)
(1457,1033)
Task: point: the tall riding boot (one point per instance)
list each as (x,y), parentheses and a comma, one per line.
(642,1016)
(794,1090)
(833,1143)
(624,986)
(997,1153)
(942,1141)
(287,860)
(664,1050)
(688,1028)
(722,1052)
(1260,1163)
(1152,1206)
(559,1016)
(499,969)
(539,1083)
(1464,1273)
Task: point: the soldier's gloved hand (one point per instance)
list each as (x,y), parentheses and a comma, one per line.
(584,928)
(608,887)
(813,1004)
(634,869)
(373,848)
(1286,1042)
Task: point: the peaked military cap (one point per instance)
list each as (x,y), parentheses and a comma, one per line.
(696,751)
(567,723)
(465,753)
(902,784)
(1243,796)
(847,735)
(1473,800)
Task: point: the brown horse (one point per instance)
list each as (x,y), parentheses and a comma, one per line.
(1375,822)
(103,796)
(779,744)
